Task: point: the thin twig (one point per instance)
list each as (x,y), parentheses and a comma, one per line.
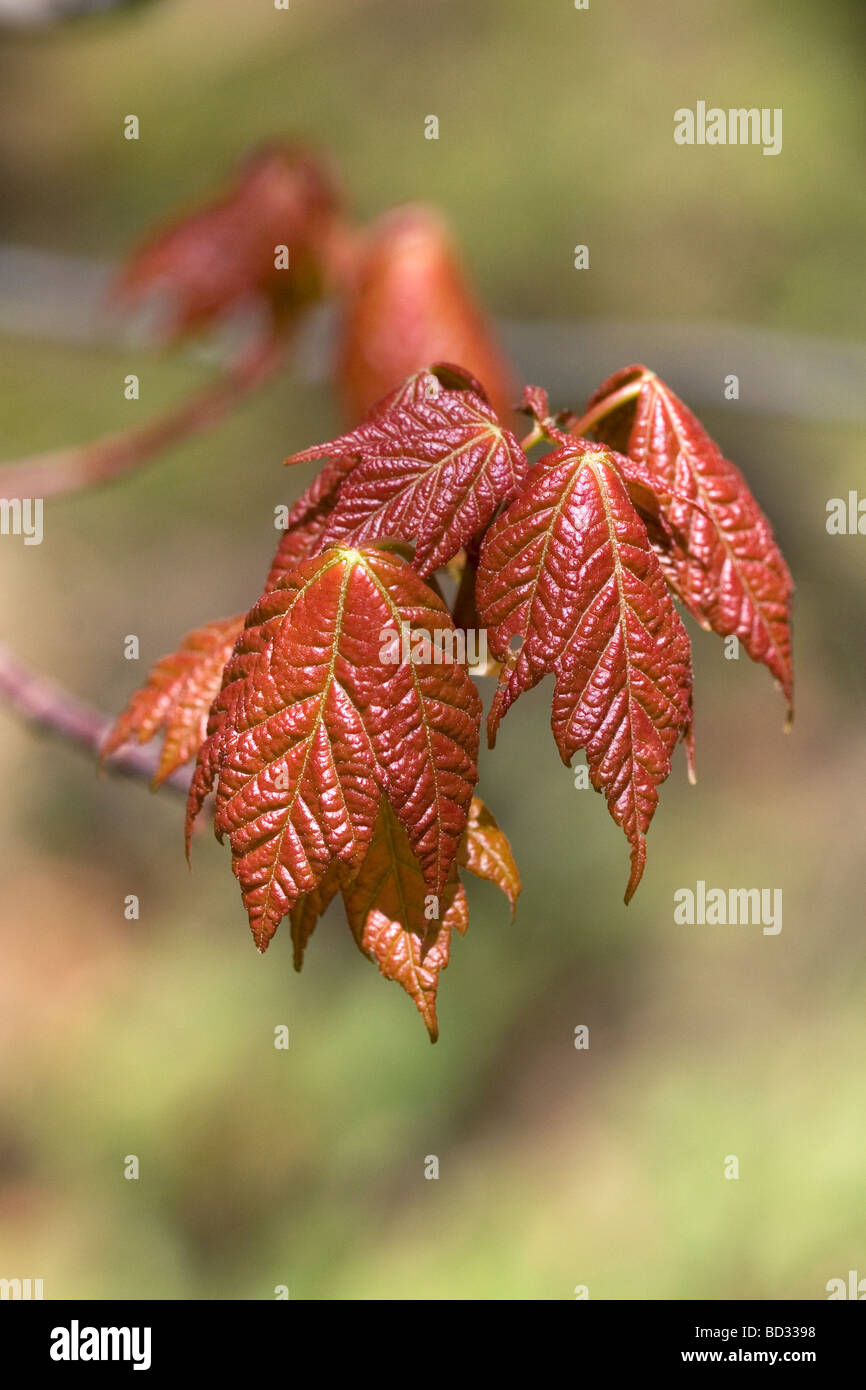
(604,407)
(47,706)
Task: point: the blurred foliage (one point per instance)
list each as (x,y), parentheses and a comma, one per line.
(558,1167)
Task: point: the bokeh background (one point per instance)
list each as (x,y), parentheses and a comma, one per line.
(558,1167)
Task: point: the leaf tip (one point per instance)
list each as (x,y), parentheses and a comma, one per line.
(691,767)
(638,864)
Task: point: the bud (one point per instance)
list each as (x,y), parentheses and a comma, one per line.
(410,305)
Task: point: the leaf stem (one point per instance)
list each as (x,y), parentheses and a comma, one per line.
(535,436)
(604,407)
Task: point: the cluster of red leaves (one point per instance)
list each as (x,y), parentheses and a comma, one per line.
(339,768)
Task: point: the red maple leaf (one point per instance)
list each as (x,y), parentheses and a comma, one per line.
(718,551)
(486,853)
(569,571)
(342,739)
(178,696)
(317,722)
(302,539)
(396,923)
(430,466)
(393,917)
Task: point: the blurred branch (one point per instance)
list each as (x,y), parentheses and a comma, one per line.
(797,375)
(104,460)
(48,707)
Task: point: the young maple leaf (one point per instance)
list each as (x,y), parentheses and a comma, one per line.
(388,903)
(386,906)
(316,722)
(569,570)
(430,465)
(307,530)
(718,554)
(224,253)
(178,696)
(486,853)
(409,305)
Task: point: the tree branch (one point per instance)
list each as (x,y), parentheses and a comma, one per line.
(48,707)
(103,460)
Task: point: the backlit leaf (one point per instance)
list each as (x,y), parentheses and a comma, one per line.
(301,539)
(317,721)
(177,696)
(718,554)
(485,851)
(389,911)
(431,467)
(305,913)
(569,572)
(393,916)
(222,254)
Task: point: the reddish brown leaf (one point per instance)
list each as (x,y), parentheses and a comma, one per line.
(431,467)
(569,570)
(485,851)
(317,721)
(177,696)
(308,517)
(394,918)
(719,554)
(410,305)
(223,254)
(397,922)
